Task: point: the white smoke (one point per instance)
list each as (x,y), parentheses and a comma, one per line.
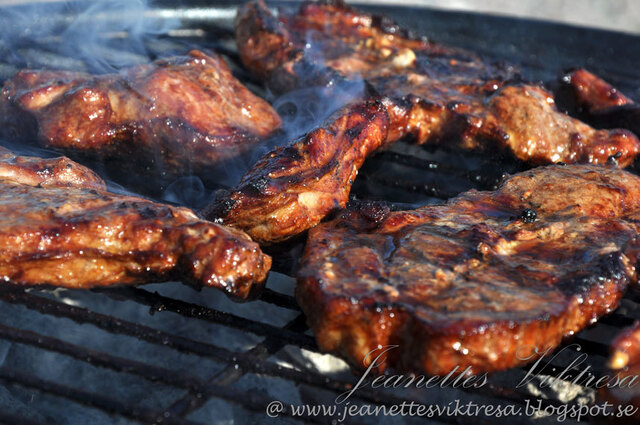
(100,35)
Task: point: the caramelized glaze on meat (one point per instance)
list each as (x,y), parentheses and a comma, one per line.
(624,363)
(476,282)
(434,93)
(292,188)
(594,94)
(625,349)
(601,103)
(182,114)
(60,227)
(34,171)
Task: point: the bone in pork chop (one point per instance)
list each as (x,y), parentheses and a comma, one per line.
(479,281)
(179,115)
(435,94)
(60,227)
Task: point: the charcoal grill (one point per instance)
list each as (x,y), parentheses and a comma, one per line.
(167,354)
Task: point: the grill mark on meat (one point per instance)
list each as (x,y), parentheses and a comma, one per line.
(181,115)
(434,94)
(62,228)
(291,189)
(469,283)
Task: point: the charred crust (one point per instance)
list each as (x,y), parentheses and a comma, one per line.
(608,267)
(148,212)
(528,215)
(292,153)
(255,186)
(220,209)
(353,132)
(388,26)
(370,214)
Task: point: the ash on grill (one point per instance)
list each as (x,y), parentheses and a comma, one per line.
(168,354)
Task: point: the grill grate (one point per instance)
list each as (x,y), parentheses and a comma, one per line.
(261,348)
(239,363)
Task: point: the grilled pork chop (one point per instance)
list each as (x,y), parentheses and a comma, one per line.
(182,114)
(434,94)
(59,226)
(291,189)
(479,282)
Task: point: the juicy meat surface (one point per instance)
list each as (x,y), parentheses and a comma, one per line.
(60,227)
(625,349)
(181,114)
(601,103)
(594,94)
(479,281)
(624,362)
(34,171)
(292,188)
(434,94)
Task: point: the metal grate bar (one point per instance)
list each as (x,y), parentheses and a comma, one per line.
(281,300)
(592,347)
(252,400)
(194,400)
(617,320)
(243,360)
(161,303)
(10,419)
(119,364)
(249,400)
(99,401)
(115,325)
(100,359)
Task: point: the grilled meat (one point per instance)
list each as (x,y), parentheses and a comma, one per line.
(434,94)
(625,363)
(478,282)
(59,226)
(601,103)
(625,350)
(593,93)
(292,188)
(181,114)
(41,172)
